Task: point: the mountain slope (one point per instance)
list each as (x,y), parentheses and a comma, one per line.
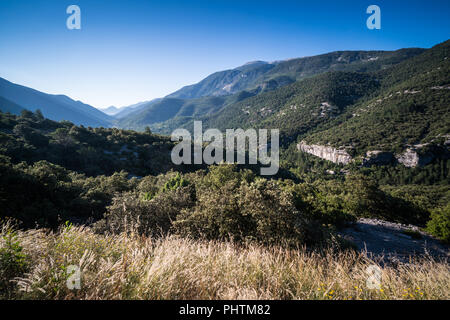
(298,107)
(410,109)
(225,82)
(401,110)
(8,106)
(125,111)
(262,75)
(110,111)
(222,89)
(55,107)
(93,151)
(169,113)
(389,109)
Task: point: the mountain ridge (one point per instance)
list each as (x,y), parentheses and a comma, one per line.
(54,106)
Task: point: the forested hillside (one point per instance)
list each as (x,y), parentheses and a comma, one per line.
(411,107)
(262,75)
(94,151)
(221,91)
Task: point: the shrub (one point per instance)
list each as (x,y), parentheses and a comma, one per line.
(224,173)
(13,262)
(131,212)
(362,197)
(439,225)
(324,207)
(259,211)
(175,183)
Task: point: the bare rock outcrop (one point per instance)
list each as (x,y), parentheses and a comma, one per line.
(412,158)
(393,241)
(409,158)
(326,152)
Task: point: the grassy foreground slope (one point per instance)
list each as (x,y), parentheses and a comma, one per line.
(133,267)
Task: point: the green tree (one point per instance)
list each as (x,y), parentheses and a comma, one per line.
(439,225)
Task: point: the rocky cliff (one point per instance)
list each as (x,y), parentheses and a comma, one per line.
(413,156)
(326,152)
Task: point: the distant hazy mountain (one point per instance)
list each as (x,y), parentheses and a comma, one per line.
(55,107)
(164,115)
(118,112)
(110,111)
(124,111)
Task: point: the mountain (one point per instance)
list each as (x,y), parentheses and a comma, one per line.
(394,114)
(225,82)
(409,111)
(120,112)
(110,111)
(379,107)
(55,107)
(262,75)
(164,114)
(298,107)
(221,90)
(8,106)
(124,111)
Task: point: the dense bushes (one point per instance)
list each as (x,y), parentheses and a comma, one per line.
(45,194)
(217,203)
(227,203)
(259,211)
(222,203)
(130,212)
(13,261)
(92,151)
(339,202)
(439,225)
(324,208)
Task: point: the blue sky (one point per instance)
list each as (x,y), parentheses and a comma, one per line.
(131,51)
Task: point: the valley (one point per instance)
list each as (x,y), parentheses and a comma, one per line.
(363,181)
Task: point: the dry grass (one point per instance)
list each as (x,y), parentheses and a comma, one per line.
(129,267)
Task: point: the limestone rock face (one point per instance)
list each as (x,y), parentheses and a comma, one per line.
(326,153)
(411,158)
